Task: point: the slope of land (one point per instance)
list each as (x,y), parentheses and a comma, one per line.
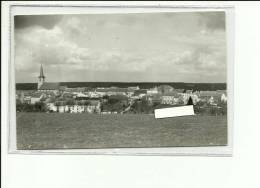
(53,131)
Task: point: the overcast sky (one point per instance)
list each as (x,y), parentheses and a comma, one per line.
(148,47)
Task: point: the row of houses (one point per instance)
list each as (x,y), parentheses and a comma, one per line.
(93,107)
(79,100)
(173,97)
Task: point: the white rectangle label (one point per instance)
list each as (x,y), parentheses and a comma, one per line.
(174,111)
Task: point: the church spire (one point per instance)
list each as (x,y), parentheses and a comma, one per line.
(41,73)
(41,78)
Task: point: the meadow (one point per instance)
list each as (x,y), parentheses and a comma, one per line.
(61,131)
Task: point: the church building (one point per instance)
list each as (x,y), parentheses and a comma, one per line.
(46,86)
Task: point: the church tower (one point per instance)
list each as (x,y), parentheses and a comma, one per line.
(41,78)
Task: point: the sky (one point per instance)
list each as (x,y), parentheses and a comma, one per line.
(133,47)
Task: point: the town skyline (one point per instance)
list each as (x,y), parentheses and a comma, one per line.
(152,47)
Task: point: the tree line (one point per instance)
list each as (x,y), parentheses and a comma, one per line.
(142,85)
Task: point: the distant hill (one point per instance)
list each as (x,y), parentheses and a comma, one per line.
(26,86)
(142,85)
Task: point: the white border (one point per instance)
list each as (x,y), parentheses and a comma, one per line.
(78,9)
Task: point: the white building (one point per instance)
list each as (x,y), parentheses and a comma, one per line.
(36,98)
(152,91)
(223,98)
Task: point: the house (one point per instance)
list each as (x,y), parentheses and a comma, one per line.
(133,88)
(91,93)
(27,100)
(209,96)
(165,88)
(36,97)
(223,98)
(115,91)
(94,107)
(140,93)
(187,94)
(81,95)
(61,109)
(51,107)
(25,96)
(222,91)
(179,90)
(49,87)
(189,91)
(195,98)
(67,95)
(211,101)
(223,94)
(170,98)
(76,90)
(62,88)
(152,91)
(156,98)
(77,109)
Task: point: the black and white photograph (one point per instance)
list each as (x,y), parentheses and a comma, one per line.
(121,80)
(130,94)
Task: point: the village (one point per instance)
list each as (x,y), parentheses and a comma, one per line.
(52,97)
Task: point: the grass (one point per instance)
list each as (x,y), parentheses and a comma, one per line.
(56,131)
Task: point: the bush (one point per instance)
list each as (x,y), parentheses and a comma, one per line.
(37,107)
(113,101)
(142,106)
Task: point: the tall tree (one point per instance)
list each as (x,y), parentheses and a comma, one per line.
(190,101)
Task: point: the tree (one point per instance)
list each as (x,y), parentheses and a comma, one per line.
(190,101)
(37,107)
(70,102)
(113,101)
(105,97)
(141,106)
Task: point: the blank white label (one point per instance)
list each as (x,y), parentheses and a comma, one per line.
(174,111)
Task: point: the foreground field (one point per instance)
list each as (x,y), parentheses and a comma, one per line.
(53,131)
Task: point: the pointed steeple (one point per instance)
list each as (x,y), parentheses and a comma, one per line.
(41,73)
(41,78)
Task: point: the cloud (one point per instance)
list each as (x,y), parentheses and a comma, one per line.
(153,47)
(45,21)
(212,20)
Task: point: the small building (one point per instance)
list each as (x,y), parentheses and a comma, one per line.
(140,93)
(156,98)
(133,88)
(170,98)
(36,97)
(49,87)
(94,107)
(152,91)
(179,90)
(52,107)
(165,89)
(223,98)
(189,91)
(115,91)
(209,96)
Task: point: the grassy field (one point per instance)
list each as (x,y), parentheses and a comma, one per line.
(53,131)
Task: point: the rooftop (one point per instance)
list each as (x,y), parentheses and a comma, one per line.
(113,90)
(50,86)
